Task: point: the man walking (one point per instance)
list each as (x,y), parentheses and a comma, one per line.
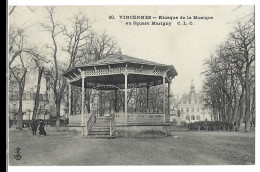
(34,126)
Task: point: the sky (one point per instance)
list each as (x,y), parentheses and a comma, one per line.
(185,47)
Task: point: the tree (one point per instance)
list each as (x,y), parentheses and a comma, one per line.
(229,77)
(244,44)
(16,35)
(19,69)
(58,83)
(39,63)
(79,40)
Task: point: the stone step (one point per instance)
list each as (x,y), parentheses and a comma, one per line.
(109,119)
(104,117)
(105,122)
(100,129)
(99,137)
(101,125)
(99,132)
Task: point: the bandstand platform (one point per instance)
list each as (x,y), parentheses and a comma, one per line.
(114,73)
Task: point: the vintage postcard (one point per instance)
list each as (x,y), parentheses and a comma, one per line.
(124,85)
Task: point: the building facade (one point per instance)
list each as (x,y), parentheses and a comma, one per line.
(192,107)
(46,106)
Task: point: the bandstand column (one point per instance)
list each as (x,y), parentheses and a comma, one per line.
(115,100)
(147,98)
(164,75)
(169,96)
(82,96)
(126,93)
(69,99)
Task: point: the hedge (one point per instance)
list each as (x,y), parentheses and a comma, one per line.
(210,125)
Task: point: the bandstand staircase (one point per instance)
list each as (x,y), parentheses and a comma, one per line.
(101,127)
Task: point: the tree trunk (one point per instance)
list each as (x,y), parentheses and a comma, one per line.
(20,109)
(247,125)
(241,110)
(36,100)
(58,103)
(247,101)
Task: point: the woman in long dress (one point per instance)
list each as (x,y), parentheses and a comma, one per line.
(41,128)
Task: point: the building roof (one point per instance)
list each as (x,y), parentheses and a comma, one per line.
(196,96)
(192,95)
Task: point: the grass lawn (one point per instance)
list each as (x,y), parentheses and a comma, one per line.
(183,148)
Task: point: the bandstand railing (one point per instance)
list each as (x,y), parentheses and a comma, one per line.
(139,118)
(77,120)
(90,123)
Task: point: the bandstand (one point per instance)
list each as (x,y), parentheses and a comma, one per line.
(120,72)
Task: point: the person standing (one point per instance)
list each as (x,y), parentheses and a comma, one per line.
(41,128)
(34,126)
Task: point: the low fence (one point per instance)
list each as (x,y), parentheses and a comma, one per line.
(141,118)
(120,118)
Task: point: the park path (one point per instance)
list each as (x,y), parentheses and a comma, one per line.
(183,148)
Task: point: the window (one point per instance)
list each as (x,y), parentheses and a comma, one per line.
(181,109)
(190,101)
(187,109)
(192,117)
(14,106)
(27,96)
(184,101)
(187,117)
(198,109)
(178,113)
(192,109)
(197,117)
(11,90)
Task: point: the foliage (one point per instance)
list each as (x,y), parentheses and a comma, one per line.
(210,125)
(229,84)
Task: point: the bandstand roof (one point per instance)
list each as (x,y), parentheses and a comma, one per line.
(109,71)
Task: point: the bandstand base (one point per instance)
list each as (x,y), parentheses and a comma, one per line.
(77,129)
(141,130)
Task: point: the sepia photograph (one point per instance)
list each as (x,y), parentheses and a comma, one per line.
(131,85)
